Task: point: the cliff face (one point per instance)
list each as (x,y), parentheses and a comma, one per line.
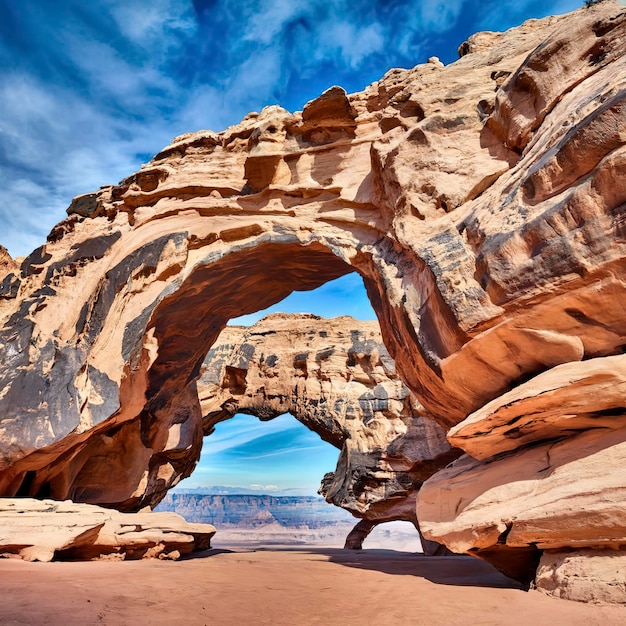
(252,511)
(483,205)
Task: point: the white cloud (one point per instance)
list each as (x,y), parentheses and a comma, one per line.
(207,107)
(62,137)
(296,449)
(258,487)
(146,23)
(353,42)
(260,75)
(23,229)
(268,20)
(56,145)
(244,429)
(439,15)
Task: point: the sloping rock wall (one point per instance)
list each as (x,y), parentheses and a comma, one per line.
(481,202)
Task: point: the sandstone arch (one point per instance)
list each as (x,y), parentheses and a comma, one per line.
(483,205)
(133,348)
(337,378)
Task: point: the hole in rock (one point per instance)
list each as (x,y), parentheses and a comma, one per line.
(257,479)
(257,483)
(343,296)
(399,535)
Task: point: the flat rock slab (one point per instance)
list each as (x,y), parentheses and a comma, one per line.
(46,530)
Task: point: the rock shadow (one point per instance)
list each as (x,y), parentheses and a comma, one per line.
(459,570)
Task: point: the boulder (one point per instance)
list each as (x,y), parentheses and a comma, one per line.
(569,494)
(46,530)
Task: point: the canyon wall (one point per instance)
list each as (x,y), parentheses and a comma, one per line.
(248,512)
(483,205)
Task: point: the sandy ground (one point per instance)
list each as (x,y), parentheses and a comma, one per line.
(283,586)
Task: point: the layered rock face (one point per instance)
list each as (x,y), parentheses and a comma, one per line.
(43,530)
(337,378)
(483,205)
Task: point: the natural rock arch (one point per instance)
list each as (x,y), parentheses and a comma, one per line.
(141,358)
(337,378)
(483,205)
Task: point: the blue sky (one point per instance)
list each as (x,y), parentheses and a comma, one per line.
(278,456)
(91,90)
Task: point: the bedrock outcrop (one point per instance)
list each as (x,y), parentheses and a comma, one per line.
(46,530)
(337,378)
(483,205)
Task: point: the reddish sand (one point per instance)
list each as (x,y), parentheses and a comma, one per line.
(295,587)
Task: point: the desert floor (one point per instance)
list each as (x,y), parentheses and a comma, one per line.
(294,586)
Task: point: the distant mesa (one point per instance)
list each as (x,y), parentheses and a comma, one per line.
(483,205)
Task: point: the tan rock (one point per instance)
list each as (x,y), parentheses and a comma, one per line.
(564,494)
(9,283)
(7,264)
(584,575)
(571,397)
(483,205)
(43,530)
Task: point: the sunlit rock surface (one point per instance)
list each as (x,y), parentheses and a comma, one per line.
(43,530)
(337,378)
(481,202)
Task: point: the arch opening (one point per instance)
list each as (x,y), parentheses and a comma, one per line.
(282,508)
(335,377)
(155,438)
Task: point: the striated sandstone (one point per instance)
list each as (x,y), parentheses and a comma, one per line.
(483,205)
(568,398)
(43,530)
(337,378)
(569,493)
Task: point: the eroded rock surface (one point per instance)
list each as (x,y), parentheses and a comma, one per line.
(483,205)
(43,530)
(587,576)
(337,378)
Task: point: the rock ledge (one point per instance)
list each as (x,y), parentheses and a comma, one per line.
(46,530)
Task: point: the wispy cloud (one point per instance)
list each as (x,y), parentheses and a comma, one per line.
(281,452)
(440,15)
(245,431)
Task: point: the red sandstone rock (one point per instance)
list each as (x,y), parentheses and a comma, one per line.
(571,397)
